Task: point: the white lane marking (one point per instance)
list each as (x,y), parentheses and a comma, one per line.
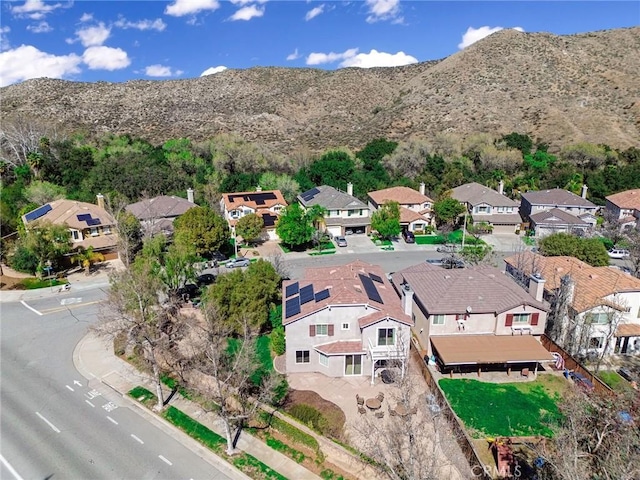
(90,403)
(109,407)
(112,420)
(164,460)
(9,467)
(92,394)
(55,429)
(136,438)
(70,388)
(30,308)
(76,382)
(70,301)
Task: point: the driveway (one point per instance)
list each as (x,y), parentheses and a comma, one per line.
(506,242)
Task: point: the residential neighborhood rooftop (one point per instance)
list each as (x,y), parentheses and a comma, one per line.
(402,195)
(255,200)
(489,349)
(557,216)
(76,215)
(475,193)
(556,197)
(592,284)
(629,199)
(160,207)
(329,198)
(482,289)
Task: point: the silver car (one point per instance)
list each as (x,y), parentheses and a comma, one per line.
(238,262)
(341,241)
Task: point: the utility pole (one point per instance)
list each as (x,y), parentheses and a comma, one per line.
(464,229)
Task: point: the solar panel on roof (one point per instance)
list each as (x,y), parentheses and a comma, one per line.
(93,221)
(306,294)
(292,289)
(375,278)
(322,294)
(370,288)
(83,217)
(38,212)
(291,307)
(269,220)
(309,194)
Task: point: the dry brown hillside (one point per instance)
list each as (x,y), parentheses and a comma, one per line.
(563,89)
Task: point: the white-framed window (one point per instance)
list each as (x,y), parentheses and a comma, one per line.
(322,330)
(601,318)
(277,208)
(418,226)
(94,231)
(345,326)
(437,319)
(500,209)
(323,360)
(234,213)
(521,317)
(302,356)
(386,336)
(106,230)
(75,234)
(596,342)
(482,209)
(350,212)
(353,364)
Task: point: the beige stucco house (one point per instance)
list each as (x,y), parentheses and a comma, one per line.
(268,204)
(415,206)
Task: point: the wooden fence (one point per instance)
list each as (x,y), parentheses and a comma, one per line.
(570,363)
(478,469)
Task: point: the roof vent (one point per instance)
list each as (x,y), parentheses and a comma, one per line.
(491,275)
(593,276)
(447,277)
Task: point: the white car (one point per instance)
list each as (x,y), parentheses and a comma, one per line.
(618,253)
(238,262)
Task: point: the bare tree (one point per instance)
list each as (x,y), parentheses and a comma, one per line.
(279,264)
(21,137)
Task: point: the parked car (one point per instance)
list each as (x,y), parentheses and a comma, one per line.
(205,279)
(218,256)
(341,241)
(238,262)
(448,249)
(408,236)
(626,374)
(618,253)
(452,262)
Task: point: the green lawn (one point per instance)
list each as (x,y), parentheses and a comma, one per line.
(453,237)
(33,283)
(505,409)
(615,381)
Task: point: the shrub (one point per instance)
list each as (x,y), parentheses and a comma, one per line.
(285,449)
(23,260)
(309,416)
(275,316)
(278,343)
(280,392)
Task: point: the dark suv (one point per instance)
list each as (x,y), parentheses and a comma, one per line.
(408,236)
(452,262)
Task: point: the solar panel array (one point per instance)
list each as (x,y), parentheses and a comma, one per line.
(86,217)
(292,307)
(306,294)
(38,212)
(292,289)
(371,289)
(322,295)
(259,198)
(309,194)
(375,278)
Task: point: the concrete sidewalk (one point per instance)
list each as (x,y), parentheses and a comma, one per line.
(94,359)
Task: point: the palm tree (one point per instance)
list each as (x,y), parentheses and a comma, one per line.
(86,258)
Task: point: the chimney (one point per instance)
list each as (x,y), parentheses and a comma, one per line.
(536,286)
(190,195)
(100,198)
(421,188)
(584,191)
(501,187)
(258,188)
(350,188)
(407,298)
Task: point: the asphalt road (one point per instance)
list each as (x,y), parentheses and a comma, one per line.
(55,424)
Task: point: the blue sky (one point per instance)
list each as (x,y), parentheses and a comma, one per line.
(117,41)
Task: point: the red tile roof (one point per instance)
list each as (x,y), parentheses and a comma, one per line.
(340,348)
(402,195)
(628,199)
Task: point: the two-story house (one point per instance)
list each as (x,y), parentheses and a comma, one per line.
(488,206)
(89,225)
(344,320)
(624,207)
(415,207)
(268,204)
(157,214)
(473,319)
(345,214)
(546,211)
(597,309)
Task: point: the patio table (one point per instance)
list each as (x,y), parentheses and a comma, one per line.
(373,403)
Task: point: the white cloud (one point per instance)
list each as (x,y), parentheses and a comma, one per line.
(93,36)
(27,62)
(378,59)
(42,27)
(35,9)
(212,70)
(145,24)
(472,35)
(180,8)
(247,13)
(314,12)
(246,2)
(293,56)
(86,17)
(320,58)
(380,10)
(161,71)
(105,58)
(4,38)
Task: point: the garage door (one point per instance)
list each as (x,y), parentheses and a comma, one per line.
(501,229)
(335,230)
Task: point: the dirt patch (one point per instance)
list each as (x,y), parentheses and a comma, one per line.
(333,414)
(10,283)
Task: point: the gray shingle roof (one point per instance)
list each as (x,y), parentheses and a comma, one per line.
(163,206)
(474,194)
(555,216)
(484,289)
(330,198)
(557,197)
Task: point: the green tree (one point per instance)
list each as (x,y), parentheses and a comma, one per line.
(129,236)
(39,192)
(47,242)
(589,250)
(201,228)
(177,267)
(447,211)
(518,141)
(334,168)
(386,220)
(293,226)
(87,257)
(250,227)
(287,185)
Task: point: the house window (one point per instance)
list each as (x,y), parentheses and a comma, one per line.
(345,326)
(500,209)
(234,214)
(75,234)
(94,231)
(322,330)
(386,336)
(323,360)
(353,364)
(349,213)
(106,230)
(521,317)
(418,226)
(598,318)
(482,209)
(277,208)
(437,319)
(596,342)
(360,212)
(302,356)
